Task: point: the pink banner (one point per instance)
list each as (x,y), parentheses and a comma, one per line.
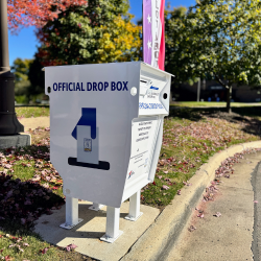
(161,61)
(154,33)
(147,33)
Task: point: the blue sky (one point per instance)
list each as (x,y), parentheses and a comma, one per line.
(24,44)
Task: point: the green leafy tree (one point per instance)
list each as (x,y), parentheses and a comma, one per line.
(20,69)
(29,78)
(36,77)
(101,32)
(216,39)
(174,20)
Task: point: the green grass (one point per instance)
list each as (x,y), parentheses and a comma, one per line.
(183,152)
(213,104)
(193,113)
(25,164)
(28,112)
(33,251)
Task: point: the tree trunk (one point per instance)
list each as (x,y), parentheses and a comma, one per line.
(229,96)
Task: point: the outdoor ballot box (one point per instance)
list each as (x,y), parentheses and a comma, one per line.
(106,124)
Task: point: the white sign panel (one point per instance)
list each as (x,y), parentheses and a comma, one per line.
(143,136)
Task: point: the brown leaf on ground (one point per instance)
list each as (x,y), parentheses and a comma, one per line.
(43,251)
(192,228)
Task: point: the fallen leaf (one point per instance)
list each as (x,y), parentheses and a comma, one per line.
(187,183)
(36,178)
(191,228)
(165,187)
(70,247)
(44,250)
(7,166)
(218,214)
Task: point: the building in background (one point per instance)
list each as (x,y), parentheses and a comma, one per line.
(216,92)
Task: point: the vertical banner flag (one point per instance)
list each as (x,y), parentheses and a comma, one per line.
(154,33)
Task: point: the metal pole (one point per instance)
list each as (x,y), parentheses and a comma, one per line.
(71,213)
(112,225)
(4,52)
(198,94)
(96,206)
(9,124)
(134,210)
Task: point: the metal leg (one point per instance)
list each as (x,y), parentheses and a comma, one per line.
(134,209)
(112,225)
(71,213)
(96,206)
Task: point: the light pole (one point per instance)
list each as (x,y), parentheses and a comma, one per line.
(9,124)
(198,92)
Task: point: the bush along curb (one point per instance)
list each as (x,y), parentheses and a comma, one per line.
(162,235)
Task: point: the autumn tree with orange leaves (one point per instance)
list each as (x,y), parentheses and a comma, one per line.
(36,12)
(23,13)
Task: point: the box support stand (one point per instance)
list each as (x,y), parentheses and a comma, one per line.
(96,206)
(72,210)
(112,225)
(134,207)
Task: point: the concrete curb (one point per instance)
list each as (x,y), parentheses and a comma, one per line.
(162,235)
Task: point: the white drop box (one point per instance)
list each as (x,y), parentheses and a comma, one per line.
(106,127)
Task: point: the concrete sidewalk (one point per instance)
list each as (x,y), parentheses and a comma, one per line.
(229,236)
(87,234)
(33,123)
